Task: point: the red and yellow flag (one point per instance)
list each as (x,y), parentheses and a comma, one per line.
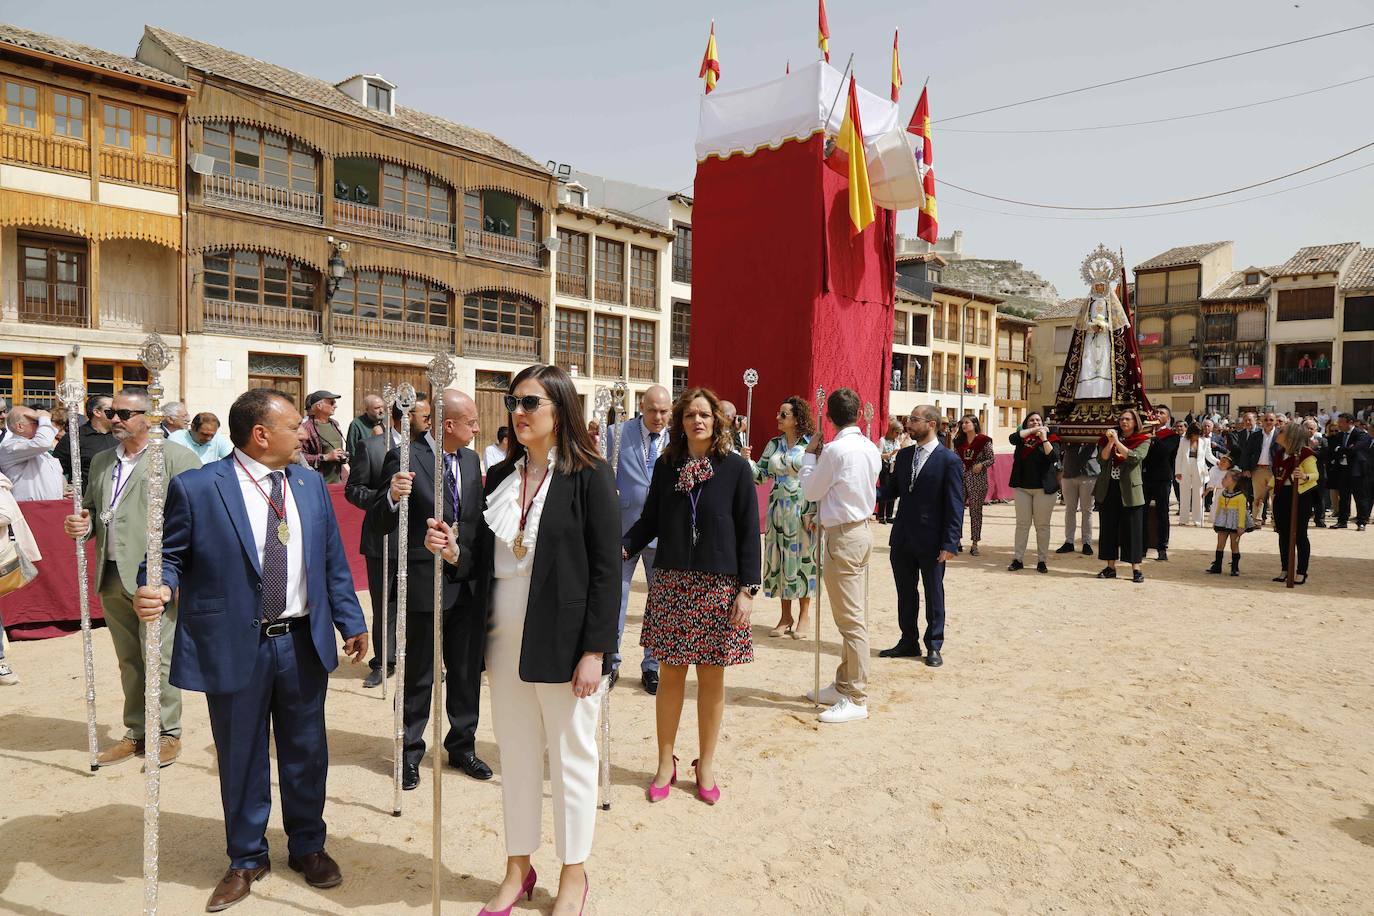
(710,63)
(851,142)
(928,223)
(896,68)
(920,126)
(823,39)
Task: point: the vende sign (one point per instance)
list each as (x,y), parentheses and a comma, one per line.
(1183,378)
(1151,340)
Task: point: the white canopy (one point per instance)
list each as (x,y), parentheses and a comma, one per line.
(791,107)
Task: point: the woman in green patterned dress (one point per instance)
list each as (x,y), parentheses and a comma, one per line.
(789,541)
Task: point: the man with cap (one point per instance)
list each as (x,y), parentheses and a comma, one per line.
(323,440)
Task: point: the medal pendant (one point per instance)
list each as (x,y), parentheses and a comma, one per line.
(518,547)
(106,516)
(695,536)
(283,532)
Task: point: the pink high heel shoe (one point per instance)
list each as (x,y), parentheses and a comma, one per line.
(711,795)
(526,891)
(658,793)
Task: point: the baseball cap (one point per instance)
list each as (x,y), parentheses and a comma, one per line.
(322,395)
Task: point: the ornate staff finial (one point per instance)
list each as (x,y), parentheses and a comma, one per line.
(440,372)
(751,377)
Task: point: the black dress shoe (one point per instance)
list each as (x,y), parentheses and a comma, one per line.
(319,868)
(615,678)
(1087,550)
(374,678)
(933,659)
(1108,573)
(1137,577)
(1162,554)
(1340,525)
(1015,565)
(1066,547)
(470,764)
(1041,567)
(651,683)
(901,651)
(410,776)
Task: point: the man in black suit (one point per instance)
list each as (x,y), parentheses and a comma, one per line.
(1350,471)
(464,604)
(1246,443)
(929,480)
(366,481)
(1157,474)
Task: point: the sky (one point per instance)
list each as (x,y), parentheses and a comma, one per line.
(610,88)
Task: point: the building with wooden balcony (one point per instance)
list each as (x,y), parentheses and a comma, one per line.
(1011,391)
(1168,313)
(911,353)
(1234,329)
(440,227)
(91,235)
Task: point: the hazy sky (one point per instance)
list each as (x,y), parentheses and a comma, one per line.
(611,88)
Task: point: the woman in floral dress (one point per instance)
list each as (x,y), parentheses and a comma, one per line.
(975,451)
(789,556)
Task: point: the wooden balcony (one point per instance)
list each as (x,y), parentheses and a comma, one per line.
(681,346)
(498,247)
(573,285)
(1226,376)
(642,369)
(243,320)
(69,305)
(401,335)
(1294,376)
(610,290)
(154,171)
(399,227)
(254,197)
(29,147)
(644,297)
(608,366)
(502,346)
(570,360)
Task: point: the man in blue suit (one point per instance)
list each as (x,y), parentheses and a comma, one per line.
(253,549)
(642,440)
(929,480)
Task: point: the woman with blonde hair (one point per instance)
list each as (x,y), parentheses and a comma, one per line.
(1297,468)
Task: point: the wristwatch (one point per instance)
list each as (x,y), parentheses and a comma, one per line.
(753,590)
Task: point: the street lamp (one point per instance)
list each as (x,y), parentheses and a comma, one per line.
(337,269)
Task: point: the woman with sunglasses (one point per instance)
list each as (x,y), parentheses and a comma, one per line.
(789,555)
(549,545)
(975,451)
(703,509)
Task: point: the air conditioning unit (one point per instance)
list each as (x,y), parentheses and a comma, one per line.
(202,164)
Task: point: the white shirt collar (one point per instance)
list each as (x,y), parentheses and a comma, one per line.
(123,455)
(848,431)
(258,470)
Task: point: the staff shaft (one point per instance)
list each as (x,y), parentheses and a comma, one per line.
(436,707)
(82,575)
(402,596)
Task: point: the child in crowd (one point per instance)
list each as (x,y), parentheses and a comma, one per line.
(1215,477)
(1229,522)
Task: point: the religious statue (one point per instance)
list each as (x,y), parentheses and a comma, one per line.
(1102,373)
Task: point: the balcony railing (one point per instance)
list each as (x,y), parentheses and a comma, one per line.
(609,290)
(681,346)
(68,305)
(1226,376)
(608,366)
(938,330)
(29,147)
(1302,376)
(245,319)
(644,297)
(238,194)
(501,346)
(404,335)
(498,247)
(122,165)
(570,360)
(397,226)
(642,369)
(573,285)
(910,380)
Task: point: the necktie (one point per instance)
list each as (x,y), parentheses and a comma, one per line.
(274,556)
(451,484)
(651,455)
(916,461)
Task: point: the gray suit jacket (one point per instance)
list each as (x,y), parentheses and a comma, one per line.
(632,475)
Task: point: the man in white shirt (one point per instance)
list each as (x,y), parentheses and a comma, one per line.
(1263,477)
(495,453)
(843,479)
(25,455)
(203,438)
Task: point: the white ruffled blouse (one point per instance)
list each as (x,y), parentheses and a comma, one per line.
(503,518)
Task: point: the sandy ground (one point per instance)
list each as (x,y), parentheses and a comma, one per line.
(1196,744)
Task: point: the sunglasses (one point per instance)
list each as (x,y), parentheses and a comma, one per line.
(122,413)
(529,403)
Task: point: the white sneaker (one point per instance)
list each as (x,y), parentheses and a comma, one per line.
(7,676)
(845,710)
(829,695)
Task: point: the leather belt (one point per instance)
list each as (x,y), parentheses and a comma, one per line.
(281,627)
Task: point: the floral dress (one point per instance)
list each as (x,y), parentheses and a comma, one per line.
(789,554)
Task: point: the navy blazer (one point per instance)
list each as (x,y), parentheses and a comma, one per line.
(930,518)
(220,600)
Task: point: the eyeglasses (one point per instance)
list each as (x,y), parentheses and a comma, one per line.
(529,403)
(122,413)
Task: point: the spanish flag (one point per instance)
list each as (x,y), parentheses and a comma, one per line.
(851,142)
(823,41)
(710,63)
(896,69)
(928,223)
(920,126)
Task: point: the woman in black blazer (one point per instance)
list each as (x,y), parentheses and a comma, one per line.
(703,509)
(1034,478)
(550,545)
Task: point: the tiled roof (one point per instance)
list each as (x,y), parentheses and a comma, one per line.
(1069,308)
(1234,287)
(272,78)
(1361,273)
(922,256)
(1317,259)
(84,54)
(910,296)
(616,216)
(1184,254)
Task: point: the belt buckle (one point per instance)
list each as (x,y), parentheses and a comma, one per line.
(277,628)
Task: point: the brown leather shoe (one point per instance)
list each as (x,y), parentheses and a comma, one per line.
(319,869)
(234,886)
(168,750)
(126,749)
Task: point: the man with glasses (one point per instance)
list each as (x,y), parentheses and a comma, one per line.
(175,418)
(24,457)
(1262,477)
(93,435)
(1157,475)
(324,440)
(115,507)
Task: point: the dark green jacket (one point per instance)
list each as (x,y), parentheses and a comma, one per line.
(1132,491)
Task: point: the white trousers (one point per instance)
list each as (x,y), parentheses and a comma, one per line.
(528,720)
(1190,496)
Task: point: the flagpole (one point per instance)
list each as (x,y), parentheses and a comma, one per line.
(838,91)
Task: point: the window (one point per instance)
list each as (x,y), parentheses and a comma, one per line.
(379,98)
(261,156)
(933,274)
(643,277)
(919,335)
(610,270)
(682,253)
(281,371)
(1357,362)
(643,349)
(682,329)
(570,339)
(414,193)
(54,278)
(69,116)
(500,313)
(119,126)
(107,378)
(1359,313)
(679,381)
(606,345)
(21,105)
(1219,405)
(1062,337)
(157,134)
(391,297)
(250,278)
(25,380)
(1306,304)
(1250,325)
(572,263)
(1252,279)
(899,332)
(500,213)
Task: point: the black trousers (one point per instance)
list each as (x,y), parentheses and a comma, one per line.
(1121,529)
(374,588)
(1354,489)
(886,507)
(909,571)
(464,641)
(1283,511)
(1157,492)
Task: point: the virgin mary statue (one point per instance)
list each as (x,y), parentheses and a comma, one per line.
(1102,371)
